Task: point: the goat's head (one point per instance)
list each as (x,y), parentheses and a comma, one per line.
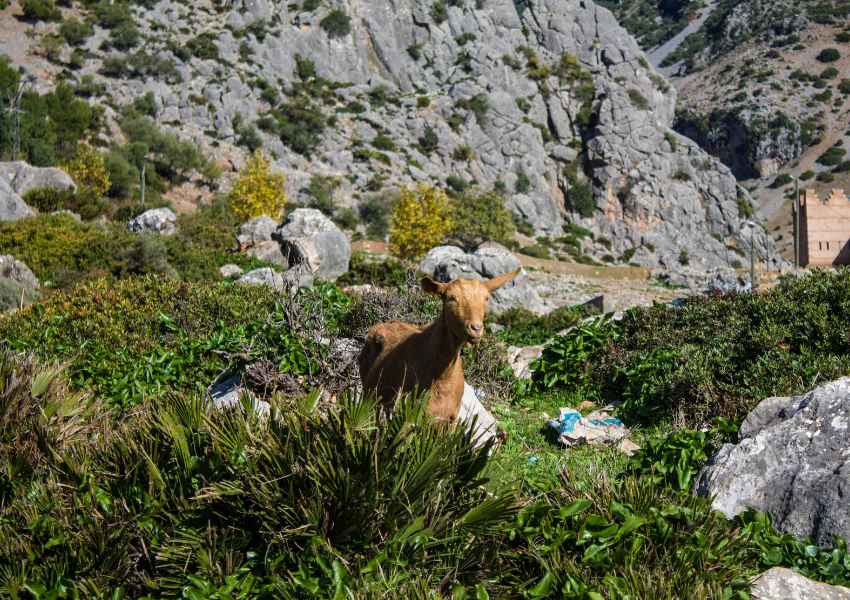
(465,302)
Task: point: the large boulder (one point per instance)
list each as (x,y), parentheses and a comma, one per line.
(793,462)
(157,220)
(12,206)
(23,177)
(780,583)
(446,263)
(473,411)
(259,229)
(308,237)
(13,269)
(297,277)
(18,284)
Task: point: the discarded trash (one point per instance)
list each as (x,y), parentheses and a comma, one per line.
(533,459)
(598,427)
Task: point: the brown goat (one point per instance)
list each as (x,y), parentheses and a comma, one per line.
(399,357)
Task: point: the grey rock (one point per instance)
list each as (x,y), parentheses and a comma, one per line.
(229,271)
(255,231)
(520,359)
(265,276)
(15,270)
(12,206)
(309,238)
(471,409)
(780,583)
(156,220)
(446,263)
(269,252)
(24,178)
(792,461)
(294,278)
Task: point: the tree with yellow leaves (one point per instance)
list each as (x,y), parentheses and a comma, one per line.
(258,191)
(88,170)
(421,219)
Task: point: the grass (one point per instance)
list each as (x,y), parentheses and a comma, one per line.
(116,477)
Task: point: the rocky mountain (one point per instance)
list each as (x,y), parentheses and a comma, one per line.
(762,86)
(549,101)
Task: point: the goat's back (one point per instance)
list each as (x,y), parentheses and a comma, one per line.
(380,341)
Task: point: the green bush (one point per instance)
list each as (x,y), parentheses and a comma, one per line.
(480,216)
(203,46)
(337,24)
(40,10)
(781,180)
(712,357)
(375,213)
(124,37)
(638,99)
(523,328)
(86,204)
(381,272)
(200,493)
(75,31)
(113,14)
(828,55)
(832,156)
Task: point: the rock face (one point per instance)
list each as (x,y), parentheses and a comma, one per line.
(446,263)
(752,141)
(157,220)
(556,102)
(792,461)
(784,584)
(309,238)
(24,178)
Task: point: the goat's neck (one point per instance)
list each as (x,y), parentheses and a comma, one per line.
(446,346)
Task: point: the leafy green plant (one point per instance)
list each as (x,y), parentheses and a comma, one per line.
(336,24)
(566,361)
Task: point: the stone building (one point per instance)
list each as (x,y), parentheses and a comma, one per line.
(824,229)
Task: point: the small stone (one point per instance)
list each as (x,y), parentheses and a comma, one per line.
(230,270)
(157,220)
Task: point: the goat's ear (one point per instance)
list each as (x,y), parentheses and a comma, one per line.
(433,287)
(501,280)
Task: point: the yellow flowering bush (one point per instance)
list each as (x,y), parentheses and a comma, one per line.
(88,170)
(258,191)
(421,219)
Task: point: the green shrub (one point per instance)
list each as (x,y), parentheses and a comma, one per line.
(829,73)
(124,37)
(321,190)
(337,24)
(463,153)
(638,99)
(375,213)
(203,46)
(828,55)
(75,32)
(713,356)
(439,12)
(480,216)
(112,14)
(781,180)
(429,142)
(384,142)
(195,487)
(86,204)
(805,176)
(382,272)
(844,87)
(536,251)
(40,10)
(523,183)
(523,328)
(832,156)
